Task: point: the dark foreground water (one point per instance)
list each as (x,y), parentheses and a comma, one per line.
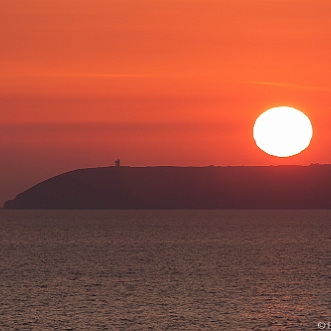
(165,270)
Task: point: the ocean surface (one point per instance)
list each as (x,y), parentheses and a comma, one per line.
(165,270)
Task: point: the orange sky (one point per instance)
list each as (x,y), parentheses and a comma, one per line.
(155,82)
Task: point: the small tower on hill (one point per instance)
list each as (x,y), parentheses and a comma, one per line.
(117,163)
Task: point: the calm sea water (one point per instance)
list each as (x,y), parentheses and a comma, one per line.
(165,270)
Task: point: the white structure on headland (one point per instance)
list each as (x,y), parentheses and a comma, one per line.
(117,163)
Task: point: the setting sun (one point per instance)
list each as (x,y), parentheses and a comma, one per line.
(282,131)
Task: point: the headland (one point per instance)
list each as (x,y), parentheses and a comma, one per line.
(172,187)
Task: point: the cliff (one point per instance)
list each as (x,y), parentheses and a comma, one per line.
(272,187)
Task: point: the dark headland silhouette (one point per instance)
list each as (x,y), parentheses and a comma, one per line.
(167,187)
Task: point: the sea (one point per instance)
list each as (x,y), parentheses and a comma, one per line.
(165,270)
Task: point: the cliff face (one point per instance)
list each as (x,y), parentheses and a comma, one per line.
(273,187)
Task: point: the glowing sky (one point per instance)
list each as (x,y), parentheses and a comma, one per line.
(155,82)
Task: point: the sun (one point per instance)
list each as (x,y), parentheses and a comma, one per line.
(282,131)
